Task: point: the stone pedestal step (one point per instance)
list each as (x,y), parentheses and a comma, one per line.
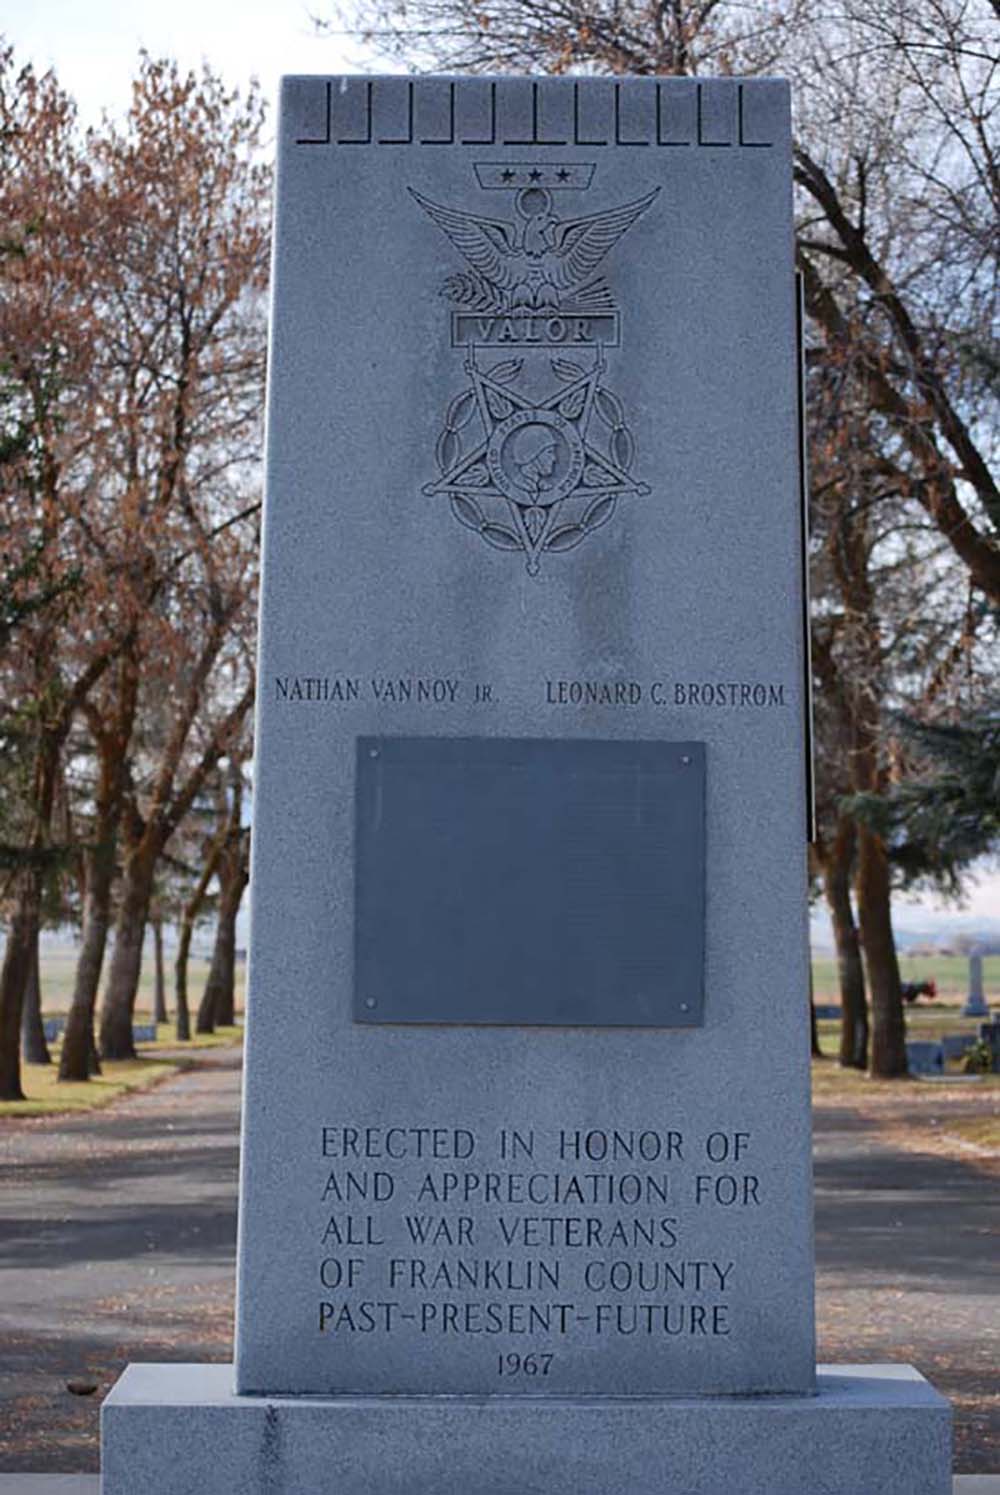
(868,1430)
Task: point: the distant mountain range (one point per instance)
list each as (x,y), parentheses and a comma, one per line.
(915,927)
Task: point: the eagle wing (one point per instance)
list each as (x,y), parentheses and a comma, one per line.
(487,243)
(579,244)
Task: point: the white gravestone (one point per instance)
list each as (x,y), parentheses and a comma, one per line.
(975,1003)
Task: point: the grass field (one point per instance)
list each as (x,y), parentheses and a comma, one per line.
(951,972)
(45,1095)
(922,1022)
(58,965)
(157,1059)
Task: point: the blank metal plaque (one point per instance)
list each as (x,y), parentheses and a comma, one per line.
(529,881)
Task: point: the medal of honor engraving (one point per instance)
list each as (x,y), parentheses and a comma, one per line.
(535,451)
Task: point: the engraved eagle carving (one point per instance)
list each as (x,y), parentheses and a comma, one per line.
(542,263)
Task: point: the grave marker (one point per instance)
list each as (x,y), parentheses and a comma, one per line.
(975,1004)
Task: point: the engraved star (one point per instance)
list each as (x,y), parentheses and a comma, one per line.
(508,175)
(536,175)
(468,471)
(469,482)
(564,175)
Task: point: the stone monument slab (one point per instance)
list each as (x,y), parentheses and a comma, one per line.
(533,474)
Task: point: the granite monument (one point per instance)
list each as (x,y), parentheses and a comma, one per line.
(526,1191)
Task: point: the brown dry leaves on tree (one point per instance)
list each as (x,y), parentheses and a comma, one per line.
(132,354)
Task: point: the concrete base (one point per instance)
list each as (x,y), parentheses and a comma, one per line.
(180,1430)
(90,1484)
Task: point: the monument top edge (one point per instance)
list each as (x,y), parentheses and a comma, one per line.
(482,110)
(545,80)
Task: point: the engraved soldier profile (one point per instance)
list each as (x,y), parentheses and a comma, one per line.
(535,451)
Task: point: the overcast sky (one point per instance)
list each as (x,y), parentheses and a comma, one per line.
(93,45)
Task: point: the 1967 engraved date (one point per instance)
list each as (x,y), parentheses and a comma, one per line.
(524,1365)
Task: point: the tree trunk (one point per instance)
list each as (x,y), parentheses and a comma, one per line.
(888,1058)
(160,1014)
(853,1003)
(112,732)
(183,1012)
(22,939)
(218,1003)
(869,775)
(225,1002)
(126,961)
(189,917)
(211,997)
(34,1048)
(817,1052)
(79,1060)
(22,936)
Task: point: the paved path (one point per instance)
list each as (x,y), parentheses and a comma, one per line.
(117,1241)
(908,1253)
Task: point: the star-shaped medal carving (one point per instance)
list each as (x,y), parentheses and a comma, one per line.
(547,469)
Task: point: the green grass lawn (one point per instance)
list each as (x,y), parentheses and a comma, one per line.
(165,1056)
(47,1096)
(166,1039)
(951,972)
(962,1112)
(58,967)
(930,1022)
(981,1131)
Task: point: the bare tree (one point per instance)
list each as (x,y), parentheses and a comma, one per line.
(897,206)
(180,220)
(131,379)
(559,36)
(897,162)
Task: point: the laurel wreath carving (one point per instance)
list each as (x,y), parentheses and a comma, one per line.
(621,446)
(569,535)
(565,370)
(472,292)
(572,406)
(503,373)
(468,512)
(457,417)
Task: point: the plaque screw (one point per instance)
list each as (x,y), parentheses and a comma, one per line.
(685,1007)
(685,758)
(373,752)
(370,1001)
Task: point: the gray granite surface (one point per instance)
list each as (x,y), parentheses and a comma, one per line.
(532,472)
(90,1484)
(869,1430)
